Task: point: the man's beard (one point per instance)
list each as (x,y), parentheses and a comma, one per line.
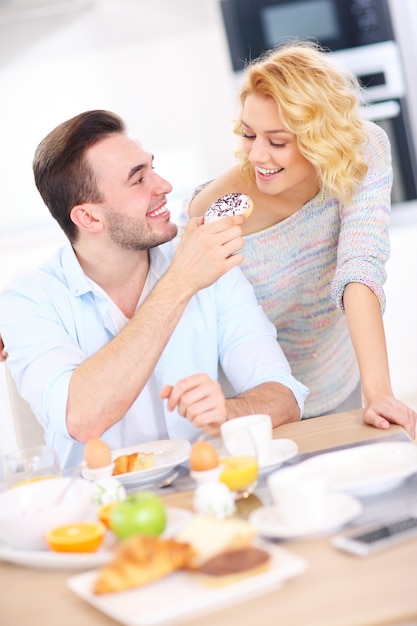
(130,234)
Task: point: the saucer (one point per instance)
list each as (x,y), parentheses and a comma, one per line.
(282,450)
(341,508)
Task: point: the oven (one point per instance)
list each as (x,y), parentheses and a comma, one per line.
(360,36)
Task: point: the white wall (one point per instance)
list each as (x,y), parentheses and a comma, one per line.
(400,317)
(160,65)
(163,65)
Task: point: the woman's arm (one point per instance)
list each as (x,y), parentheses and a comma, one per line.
(364,318)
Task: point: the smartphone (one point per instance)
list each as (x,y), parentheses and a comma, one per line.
(367,539)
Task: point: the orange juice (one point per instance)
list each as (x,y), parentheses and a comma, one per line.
(34,479)
(239,472)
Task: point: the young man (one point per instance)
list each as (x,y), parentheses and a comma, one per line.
(123,317)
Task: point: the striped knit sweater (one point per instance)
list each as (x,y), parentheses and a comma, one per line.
(300,267)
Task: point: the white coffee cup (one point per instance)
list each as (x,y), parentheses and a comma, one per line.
(248,435)
(299,495)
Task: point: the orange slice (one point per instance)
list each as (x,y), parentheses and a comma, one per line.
(104,512)
(79,537)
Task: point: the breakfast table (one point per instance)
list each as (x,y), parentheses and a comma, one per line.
(336,589)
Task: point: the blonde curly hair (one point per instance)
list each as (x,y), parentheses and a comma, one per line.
(319,103)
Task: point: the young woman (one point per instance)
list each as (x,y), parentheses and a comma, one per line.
(317,241)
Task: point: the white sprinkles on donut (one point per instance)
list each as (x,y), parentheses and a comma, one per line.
(231,204)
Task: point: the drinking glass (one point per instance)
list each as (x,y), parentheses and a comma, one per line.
(247,441)
(240,474)
(248,435)
(30,464)
(239,465)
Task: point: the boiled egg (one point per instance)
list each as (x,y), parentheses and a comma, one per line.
(97,454)
(203,456)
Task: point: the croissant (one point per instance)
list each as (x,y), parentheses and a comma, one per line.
(140,560)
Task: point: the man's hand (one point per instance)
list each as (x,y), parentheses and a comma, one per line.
(199,399)
(207,251)
(380,413)
(104,386)
(3,353)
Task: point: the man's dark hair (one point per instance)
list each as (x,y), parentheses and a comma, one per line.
(62,174)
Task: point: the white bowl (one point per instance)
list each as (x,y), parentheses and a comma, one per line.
(29,511)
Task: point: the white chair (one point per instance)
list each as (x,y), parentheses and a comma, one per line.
(27,428)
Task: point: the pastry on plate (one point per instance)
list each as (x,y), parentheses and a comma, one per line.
(134,462)
(210,536)
(233,565)
(140,560)
(223,550)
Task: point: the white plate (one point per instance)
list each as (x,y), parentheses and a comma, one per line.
(168,454)
(47,559)
(185,595)
(341,508)
(282,450)
(368,469)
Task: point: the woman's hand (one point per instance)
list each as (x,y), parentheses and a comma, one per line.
(388,410)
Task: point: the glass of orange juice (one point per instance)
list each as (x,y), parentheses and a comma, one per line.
(245,440)
(30,464)
(240,474)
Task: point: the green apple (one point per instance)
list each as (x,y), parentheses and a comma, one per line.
(139,513)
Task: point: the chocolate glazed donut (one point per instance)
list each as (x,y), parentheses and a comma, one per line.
(231,204)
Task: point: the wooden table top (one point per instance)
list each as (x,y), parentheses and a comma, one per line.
(336,589)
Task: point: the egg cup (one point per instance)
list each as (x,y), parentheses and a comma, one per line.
(99,472)
(203,477)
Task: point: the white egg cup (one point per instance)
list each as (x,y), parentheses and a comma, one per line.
(207,476)
(99,473)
